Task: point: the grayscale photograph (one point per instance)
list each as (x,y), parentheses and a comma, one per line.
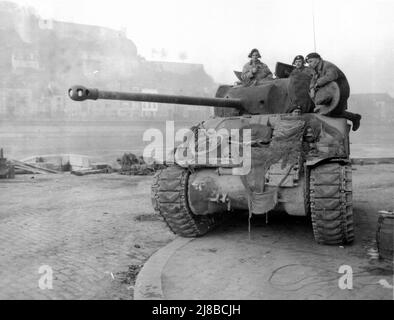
(215,151)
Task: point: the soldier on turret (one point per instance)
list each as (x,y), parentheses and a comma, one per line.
(255,71)
(326,72)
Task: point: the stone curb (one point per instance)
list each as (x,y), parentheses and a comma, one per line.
(148,282)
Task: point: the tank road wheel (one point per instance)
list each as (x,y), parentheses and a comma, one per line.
(169,199)
(331,203)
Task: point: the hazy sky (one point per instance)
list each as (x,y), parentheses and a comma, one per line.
(357,35)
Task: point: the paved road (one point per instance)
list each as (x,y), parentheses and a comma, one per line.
(93,231)
(282,261)
(277,261)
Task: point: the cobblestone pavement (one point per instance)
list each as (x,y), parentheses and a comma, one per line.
(94,232)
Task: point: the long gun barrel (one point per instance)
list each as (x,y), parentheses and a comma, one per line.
(80,93)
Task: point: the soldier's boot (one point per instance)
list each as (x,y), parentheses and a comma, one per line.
(353,117)
(356,122)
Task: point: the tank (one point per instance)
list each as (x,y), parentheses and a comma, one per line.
(252,157)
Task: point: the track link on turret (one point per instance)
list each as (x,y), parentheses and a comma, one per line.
(169,199)
(331,203)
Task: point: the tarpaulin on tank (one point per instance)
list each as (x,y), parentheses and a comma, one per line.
(274,138)
(286,146)
(328,141)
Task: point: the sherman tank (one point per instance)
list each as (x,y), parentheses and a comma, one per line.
(252,156)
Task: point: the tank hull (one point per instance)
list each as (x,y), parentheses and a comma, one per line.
(211,192)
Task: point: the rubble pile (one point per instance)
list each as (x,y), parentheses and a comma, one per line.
(133,165)
(94,168)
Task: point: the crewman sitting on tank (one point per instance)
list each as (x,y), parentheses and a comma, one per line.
(327,76)
(255,71)
(299,81)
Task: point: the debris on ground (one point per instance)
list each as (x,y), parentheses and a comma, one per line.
(28,168)
(6,167)
(148,217)
(56,163)
(134,165)
(85,172)
(129,276)
(79,165)
(94,169)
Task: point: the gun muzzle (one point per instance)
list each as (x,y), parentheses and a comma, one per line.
(80,93)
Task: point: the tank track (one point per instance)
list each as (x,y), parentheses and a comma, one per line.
(169,199)
(331,203)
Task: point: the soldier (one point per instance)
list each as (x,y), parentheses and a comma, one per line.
(299,81)
(325,73)
(255,71)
